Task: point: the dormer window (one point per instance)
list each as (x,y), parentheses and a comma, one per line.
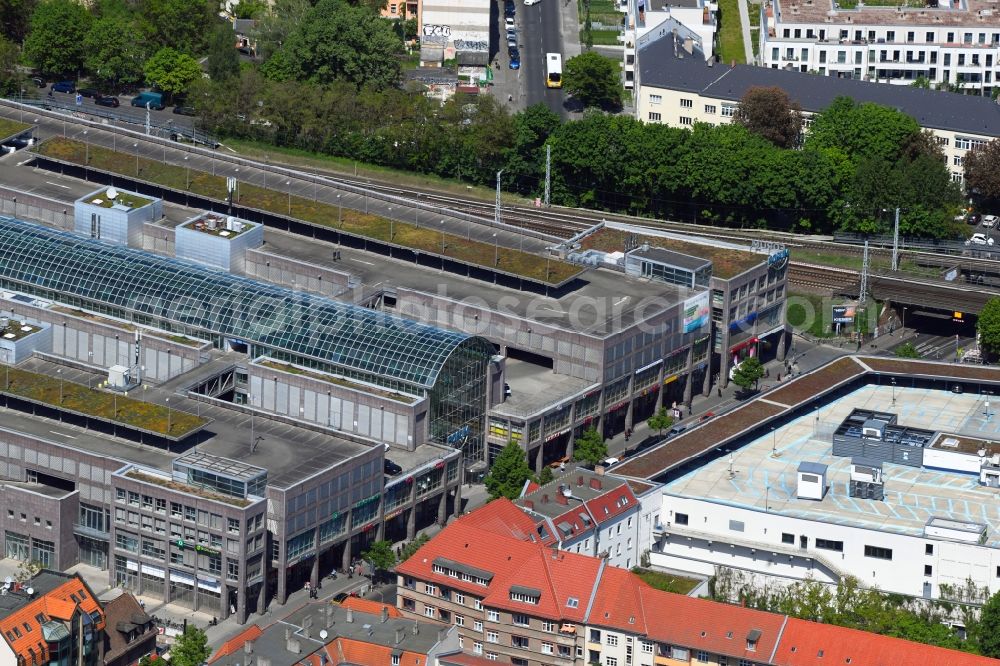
(752,638)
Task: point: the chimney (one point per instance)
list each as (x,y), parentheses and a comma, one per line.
(528,504)
(350,615)
(561,499)
(307,622)
(329,616)
(595,484)
(248,647)
(545,499)
(307,632)
(416,628)
(293,646)
(579,480)
(399,635)
(689,45)
(385,614)
(599,470)
(288,633)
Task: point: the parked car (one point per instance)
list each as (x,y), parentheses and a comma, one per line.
(990,221)
(89,92)
(515,60)
(973,218)
(64,87)
(511,42)
(107,100)
(510,10)
(154,99)
(184,110)
(528,3)
(38,81)
(608,462)
(979,239)
(676,430)
(509,21)
(391,468)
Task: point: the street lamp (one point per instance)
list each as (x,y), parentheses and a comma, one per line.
(774,443)
(288,184)
(86,154)
(392,226)
(187,172)
(496,251)
(59,374)
(340,213)
(136,146)
(893,382)
(442,241)
(168,417)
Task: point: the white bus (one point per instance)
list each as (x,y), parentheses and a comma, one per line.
(553,70)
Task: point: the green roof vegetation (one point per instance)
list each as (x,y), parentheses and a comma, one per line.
(350,221)
(101,404)
(125,199)
(15,330)
(9,128)
(340,381)
(666,582)
(726,263)
(185,488)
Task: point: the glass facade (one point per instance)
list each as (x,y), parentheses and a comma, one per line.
(208,303)
(458,398)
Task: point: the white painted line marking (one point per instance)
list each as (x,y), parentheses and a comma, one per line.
(25,161)
(361,261)
(65,187)
(62,434)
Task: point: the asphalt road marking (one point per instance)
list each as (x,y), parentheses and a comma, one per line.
(25,161)
(62,434)
(65,187)
(361,261)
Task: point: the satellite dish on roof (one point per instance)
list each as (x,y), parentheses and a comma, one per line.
(8,580)
(323,634)
(112,193)
(30,591)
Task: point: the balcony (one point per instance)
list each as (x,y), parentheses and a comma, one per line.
(91,532)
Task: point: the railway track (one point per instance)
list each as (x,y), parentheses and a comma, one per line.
(821,277)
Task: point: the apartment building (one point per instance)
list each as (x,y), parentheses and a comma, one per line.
(698,19)
(595,514)
(950,42)
(514,600)
(676,87)
(130,633)
(53,618)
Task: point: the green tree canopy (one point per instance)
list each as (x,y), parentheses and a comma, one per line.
(412,547)
(380,555)
(660,421)
(907,350)
(509,472)
(223,61)
(988,327)
(769,112)
(183,25)
(114,56)
(988,628)
(748,373)
(172,71)
(982,170)
(546,476)
(339,41)
(861,130)
(593,79)
(15,17)
(191,648)
(277,25)
(11,80)
(590,447)
(56,42)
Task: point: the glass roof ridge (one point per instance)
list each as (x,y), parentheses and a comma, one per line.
(342,334)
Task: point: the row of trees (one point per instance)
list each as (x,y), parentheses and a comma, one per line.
(850,604)
(858,162)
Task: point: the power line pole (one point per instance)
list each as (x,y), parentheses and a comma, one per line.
(496,212)
(863,291)
(548,172)
(895,243)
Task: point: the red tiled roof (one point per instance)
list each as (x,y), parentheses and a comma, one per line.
(806,643)
(235,643)
(618,604)
(362,605)
(612,503)
(700,624)
(56,605)
(477,541)
(352,651)
(464,659)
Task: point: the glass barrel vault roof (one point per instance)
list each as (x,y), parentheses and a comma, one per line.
(345,335)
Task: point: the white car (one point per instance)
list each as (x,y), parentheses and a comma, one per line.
(608,462)
(528,3)
(979,239)
(990,221)
(509,22)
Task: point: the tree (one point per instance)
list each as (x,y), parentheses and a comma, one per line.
(593,79)
(509,472)
(172,71)
(546,476)
(907,350)
(413,546)
(769,112)
(11,80)
(15,17)
(114,56)
(861,130)
(748,373)
(590,447)
(380,555)
(191,648)
(179,24)
(988,327)
(339,41)
(56,42)
(278,24)
(660,421)
(988,628)
(27,570)
(223,62)
(982,170)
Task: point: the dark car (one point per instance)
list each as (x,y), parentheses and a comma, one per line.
(974,219)
(89,92)
(64,87)
(184,110)
(391,468)
(515,59)
(676,430)
(38,81)
(509,11)
(107,100)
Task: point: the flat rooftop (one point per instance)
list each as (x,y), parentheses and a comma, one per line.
(954,14)
(122,200)
(221,226)
(536,388)
(602,302)
(671,258)
(913,496)
(289,453)
(947,441)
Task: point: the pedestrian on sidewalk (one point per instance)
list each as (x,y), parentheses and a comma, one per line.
(719,389)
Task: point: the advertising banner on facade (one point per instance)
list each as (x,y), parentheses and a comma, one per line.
(696,312)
